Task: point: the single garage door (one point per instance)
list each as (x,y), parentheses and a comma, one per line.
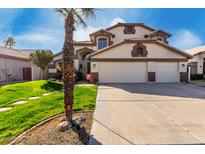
(166,72)
(122,72)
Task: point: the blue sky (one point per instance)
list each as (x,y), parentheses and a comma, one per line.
(43,28)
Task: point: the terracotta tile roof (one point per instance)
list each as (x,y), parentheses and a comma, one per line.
(196,51)
(79,43)
(102,30)
(159,30)
(21,54)
(13,53)
(131,24)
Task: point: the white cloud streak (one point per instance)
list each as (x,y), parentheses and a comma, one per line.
(117,20)
(185,39)
(82,34)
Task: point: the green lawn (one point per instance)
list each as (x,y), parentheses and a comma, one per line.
(203,81)
(20,91)
(24,116)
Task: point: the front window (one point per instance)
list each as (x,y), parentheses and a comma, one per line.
(102,43)
(129,29)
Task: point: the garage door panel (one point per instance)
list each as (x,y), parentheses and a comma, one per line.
(126,72)
(167,72)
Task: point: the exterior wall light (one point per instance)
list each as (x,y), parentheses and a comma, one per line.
(183,65)
(94,65)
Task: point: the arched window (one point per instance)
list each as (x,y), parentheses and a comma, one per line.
(102,43)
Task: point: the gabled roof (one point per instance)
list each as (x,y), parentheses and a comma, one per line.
(130,24)
(77,43)
(159,30)
(14,53)
(20,54)
(102,31)
(196,51)
(82,43)
(142,41)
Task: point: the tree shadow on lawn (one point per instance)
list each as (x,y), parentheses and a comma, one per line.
(51,86)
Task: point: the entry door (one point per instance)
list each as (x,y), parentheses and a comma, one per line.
(27,73)
(122,72)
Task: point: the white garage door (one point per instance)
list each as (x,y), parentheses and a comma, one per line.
(122,72)
(166,72)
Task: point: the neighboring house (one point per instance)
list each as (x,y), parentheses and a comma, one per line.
(129,52)
(197,63)
(15,65)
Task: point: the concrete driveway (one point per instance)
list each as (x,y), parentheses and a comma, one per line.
(149,114)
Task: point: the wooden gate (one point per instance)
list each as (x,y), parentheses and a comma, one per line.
(27,73)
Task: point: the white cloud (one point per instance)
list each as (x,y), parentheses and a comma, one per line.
(185,39)
(40,38)
(7,16)
(36,37)
(117,20)
(82,34)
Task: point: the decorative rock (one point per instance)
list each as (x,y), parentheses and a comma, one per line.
(46,94)
(63,126)
(34,98)
(78,120)
(5,109)
(20,102)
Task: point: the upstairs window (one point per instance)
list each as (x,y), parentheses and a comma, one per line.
(129,30)
(102,43)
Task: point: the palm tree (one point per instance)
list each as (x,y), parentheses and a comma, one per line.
(72,17)
(10,42)
(41,58)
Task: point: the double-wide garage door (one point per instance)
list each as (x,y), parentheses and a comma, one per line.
(136,72)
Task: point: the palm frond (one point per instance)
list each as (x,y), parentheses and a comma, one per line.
(89,12)
(79,19)
(63,11)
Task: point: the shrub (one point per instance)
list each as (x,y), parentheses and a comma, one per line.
(58,75)
(197,77)
(78,76)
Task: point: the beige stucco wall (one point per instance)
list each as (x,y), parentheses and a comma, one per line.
(165,71)
(57,58)
(12,66)
(119,33)
(124,51)
(199,59)
(36,73)
(76,61)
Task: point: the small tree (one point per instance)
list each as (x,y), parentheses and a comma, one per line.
(41,58)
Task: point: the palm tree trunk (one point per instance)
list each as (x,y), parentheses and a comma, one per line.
(68,70)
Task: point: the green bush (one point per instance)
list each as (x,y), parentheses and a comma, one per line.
(58,75)
(197,77)
(78,75)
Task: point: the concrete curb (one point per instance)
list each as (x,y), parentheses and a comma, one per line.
(43,122)
(198,83)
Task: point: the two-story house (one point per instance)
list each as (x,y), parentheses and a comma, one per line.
(130,53)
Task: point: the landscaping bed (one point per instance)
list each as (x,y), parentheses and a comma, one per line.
(48,133)
(22,117)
